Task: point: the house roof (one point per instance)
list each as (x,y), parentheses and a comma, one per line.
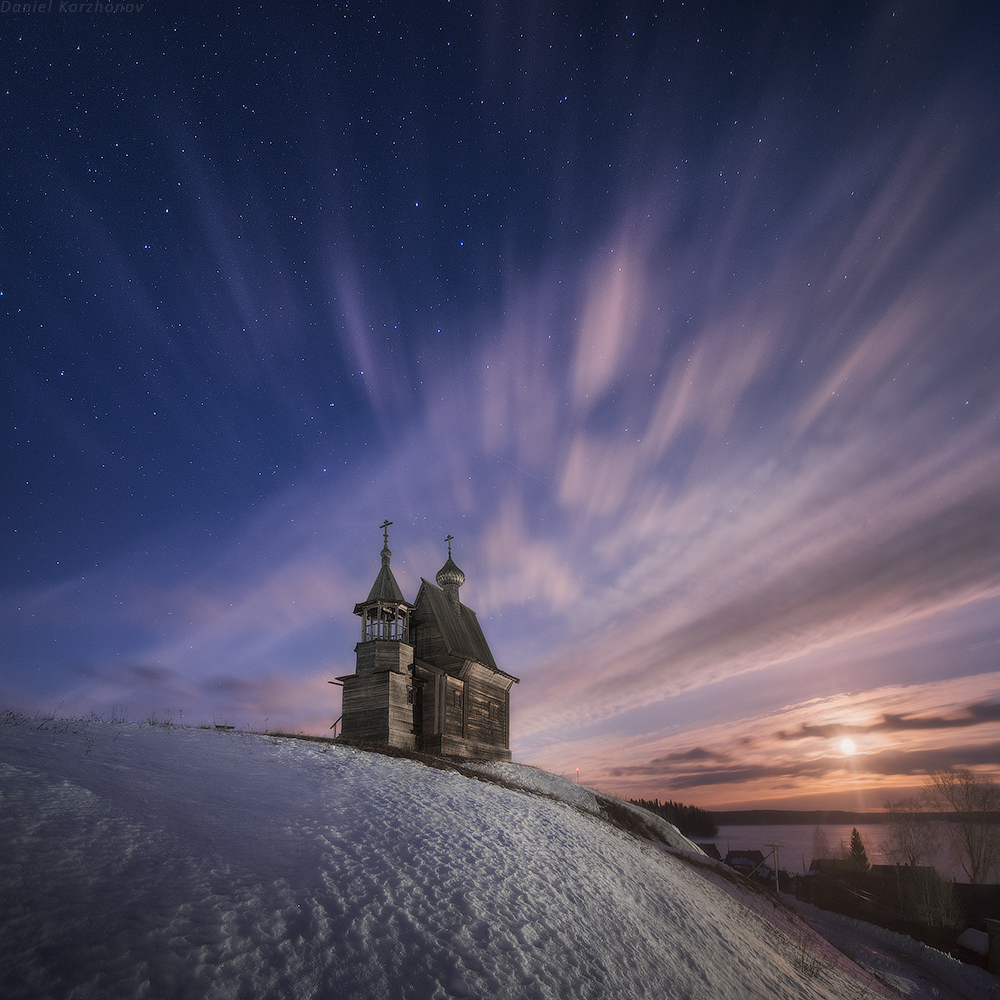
(831,866)
(461,631)
(744,857)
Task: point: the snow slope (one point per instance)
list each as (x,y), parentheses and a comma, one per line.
(148,861)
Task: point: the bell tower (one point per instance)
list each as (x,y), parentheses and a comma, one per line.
(425,677)
(379,697)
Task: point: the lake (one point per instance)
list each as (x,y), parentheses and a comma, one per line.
(796,845)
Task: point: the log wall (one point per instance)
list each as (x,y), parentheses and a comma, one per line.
(380,655)
(379,708)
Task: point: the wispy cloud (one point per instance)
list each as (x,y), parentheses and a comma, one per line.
(751,758)
(733,494)
(725,435)
(973,715)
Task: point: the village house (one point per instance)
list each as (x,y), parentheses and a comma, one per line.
(425,677)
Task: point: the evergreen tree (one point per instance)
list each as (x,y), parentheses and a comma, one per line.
(690,820)
(857,854)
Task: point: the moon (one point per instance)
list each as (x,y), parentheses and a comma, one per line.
(848,747)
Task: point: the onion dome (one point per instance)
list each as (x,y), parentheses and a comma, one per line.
(449,577)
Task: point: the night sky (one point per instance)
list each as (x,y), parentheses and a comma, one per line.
(683,319)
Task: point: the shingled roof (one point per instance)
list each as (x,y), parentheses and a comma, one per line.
(461,631)
(384,589)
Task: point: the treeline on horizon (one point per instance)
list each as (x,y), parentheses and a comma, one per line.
(795,817)
(815,817)
(690,820)
(695,822)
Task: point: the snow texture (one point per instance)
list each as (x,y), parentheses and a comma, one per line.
(916,970)
(166,862)
(977,941)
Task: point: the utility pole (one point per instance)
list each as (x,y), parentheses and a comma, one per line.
(774,855)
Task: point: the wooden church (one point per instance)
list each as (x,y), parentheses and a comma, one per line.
(425,677)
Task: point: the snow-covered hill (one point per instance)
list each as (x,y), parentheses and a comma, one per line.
(150,861)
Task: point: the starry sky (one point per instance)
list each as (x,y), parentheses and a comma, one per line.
(682,318)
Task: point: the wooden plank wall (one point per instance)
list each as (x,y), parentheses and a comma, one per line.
(379,708)
(380,655)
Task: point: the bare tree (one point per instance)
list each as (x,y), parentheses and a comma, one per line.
(911,840)
(821,844)
(974,801)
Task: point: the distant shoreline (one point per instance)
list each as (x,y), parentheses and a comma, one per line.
(803,817)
